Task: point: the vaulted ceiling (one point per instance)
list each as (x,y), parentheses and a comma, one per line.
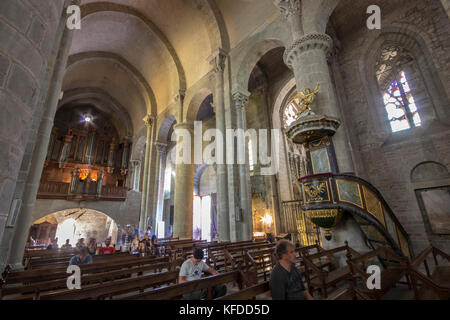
(139,54)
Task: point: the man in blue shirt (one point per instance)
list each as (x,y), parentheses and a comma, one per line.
(83,258)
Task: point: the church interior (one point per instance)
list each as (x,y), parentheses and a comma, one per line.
(225,125)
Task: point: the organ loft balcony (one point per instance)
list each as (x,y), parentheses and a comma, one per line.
(86,159)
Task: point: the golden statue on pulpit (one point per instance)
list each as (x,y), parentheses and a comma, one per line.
(306,99)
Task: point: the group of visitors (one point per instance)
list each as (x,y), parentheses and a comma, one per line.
(87,252)
(144,246)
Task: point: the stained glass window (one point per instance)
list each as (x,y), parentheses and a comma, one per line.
(398,99)
(290,113)
(400,105)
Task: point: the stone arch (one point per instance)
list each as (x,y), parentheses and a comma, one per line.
(92,8)
(417,43)
(253,55)
(101,100)
(429,170)
(318,15)
(214,22)
(165,129)
(195,103)
(84,219)
(80,57)
(198,176)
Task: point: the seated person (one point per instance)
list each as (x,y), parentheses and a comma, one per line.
(134,247)
(82,258)
(92,246)
(192,269)
(155,248)
(108,248)
(286,280)
(67,245)
(80,243)
(53,245)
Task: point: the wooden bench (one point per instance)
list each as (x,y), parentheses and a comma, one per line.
(30,276)
(34,290)
(241,276)
(435,284)
(115,288)
(249,293)
(396,268)
(319,279)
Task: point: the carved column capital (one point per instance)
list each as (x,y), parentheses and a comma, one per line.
(312,41)
(149,120)
(289,7)
(240,98)
(162,147)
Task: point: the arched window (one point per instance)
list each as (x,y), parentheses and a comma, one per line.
(251,161)
(395,87)
(290,113)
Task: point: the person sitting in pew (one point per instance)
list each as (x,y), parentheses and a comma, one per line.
(286,280)
(82,258)
(191,270)
(134,247)
(155,249)
(108,248)
(80,243)
(67,245)
(53,245)
(92,246)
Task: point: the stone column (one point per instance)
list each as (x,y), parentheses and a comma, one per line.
(39,154)
(240,99)
(223,212)
(149,121)
(307,57)
(162,150)
(184,189)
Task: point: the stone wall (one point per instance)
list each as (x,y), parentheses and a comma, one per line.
(387,159)
(29,34)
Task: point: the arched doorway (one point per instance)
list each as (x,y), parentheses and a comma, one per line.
(72,225)
(205,204)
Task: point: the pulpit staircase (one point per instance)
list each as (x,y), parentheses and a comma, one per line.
(352,195)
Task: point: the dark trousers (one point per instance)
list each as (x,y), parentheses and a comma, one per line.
(217,291)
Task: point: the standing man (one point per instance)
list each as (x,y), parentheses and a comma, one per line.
(286,280)
(192,269)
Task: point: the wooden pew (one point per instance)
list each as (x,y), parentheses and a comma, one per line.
(323,261)
(34,290)
(319,279)
(177,291)
(61,262)
(249,293)
(30,276)
(435,284)
(396,268)
(115,288)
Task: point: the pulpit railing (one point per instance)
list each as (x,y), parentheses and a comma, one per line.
(297,223)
